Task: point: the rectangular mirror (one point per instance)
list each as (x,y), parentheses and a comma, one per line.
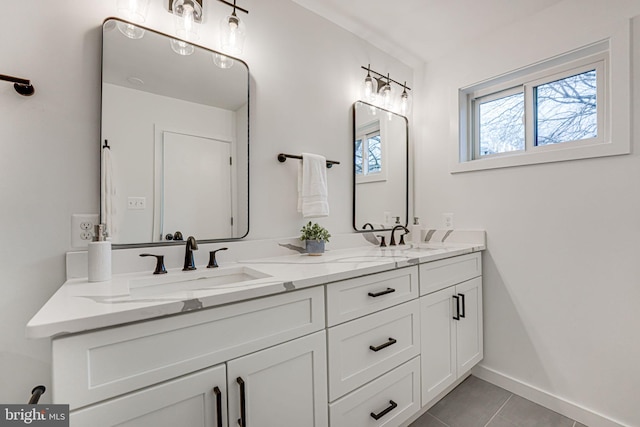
(177,128)
(381,172)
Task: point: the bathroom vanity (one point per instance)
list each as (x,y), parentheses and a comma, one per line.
(359,337)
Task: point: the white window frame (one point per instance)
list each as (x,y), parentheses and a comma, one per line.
(611,60)
(374,127)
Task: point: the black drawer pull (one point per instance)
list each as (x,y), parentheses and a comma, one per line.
(457,316)
(464,308)
(385,345)
(392,405)
(379,294)
(218,394)
(242,422)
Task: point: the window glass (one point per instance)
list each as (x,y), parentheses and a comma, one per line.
(501,124)
(358,156)
(566,109)
(374,156)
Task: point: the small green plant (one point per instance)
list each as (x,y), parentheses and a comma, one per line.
(314,232)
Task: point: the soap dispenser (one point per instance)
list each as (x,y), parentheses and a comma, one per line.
(415,230)
(99,256)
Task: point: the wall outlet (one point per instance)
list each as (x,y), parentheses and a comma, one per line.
(447,221)
(136,203)
(82,227)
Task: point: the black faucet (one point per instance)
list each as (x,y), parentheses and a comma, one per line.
(192,245)
(368,224)
(393,239)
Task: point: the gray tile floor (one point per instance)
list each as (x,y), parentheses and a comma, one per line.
(477,403)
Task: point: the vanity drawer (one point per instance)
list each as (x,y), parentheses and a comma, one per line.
(393,398)
(366,348)
(94,366)
(358,297)
(441,274)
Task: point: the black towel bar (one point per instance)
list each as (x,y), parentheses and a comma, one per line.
(283,158)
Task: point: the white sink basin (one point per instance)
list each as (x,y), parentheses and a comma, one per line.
(192,280)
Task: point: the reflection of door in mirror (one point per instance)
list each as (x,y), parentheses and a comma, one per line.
(380,167)
(193,165)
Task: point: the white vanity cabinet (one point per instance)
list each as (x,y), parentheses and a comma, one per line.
(195,400)
(373,349)
(451,321)
(285,385)
(132,374)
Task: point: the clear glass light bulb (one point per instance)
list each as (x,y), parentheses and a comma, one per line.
(405,103)
(385,93)
(232,34)
(187,13)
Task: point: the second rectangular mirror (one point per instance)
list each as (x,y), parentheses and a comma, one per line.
(381,173)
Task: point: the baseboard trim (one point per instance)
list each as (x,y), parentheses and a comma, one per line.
(558,404)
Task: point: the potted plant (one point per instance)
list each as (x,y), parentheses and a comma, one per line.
(314,236)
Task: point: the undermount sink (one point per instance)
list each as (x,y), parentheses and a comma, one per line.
(192,280)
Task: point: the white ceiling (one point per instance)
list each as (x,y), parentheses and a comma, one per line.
(417,31)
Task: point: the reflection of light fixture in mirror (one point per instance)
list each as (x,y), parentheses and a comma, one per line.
(222,61)
(405,101)
(369,87)
(136,12)
(232,31)
(187,14)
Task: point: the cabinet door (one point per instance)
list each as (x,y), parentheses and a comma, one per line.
(285,385)
(438,340)
(196,400)
(469,328)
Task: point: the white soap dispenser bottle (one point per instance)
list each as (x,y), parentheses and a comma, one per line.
(99,256)
(415,231)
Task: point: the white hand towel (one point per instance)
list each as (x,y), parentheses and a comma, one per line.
(312,186)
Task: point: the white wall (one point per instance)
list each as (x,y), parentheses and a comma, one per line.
(562,271)
(305,75)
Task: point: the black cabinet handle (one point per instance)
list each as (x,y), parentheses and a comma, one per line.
(385,345)
(457,315)
(392,405)
(242,422)
(218,394)
(463,305)
(379,294)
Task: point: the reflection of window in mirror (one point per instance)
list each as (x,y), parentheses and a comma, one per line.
(369,154)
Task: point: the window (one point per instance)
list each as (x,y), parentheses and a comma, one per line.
(368,154)
(558,109)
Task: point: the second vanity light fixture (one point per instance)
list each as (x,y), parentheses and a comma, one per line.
(378,91)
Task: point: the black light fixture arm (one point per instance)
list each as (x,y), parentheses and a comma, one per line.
(382,76)
(233,5)
(22,86)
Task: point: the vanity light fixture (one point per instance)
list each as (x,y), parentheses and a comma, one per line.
(405,101)
(384,95)
(233,31)
(134,11)
(369,87)
(187,13)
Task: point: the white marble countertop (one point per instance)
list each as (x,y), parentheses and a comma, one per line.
(82,306)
